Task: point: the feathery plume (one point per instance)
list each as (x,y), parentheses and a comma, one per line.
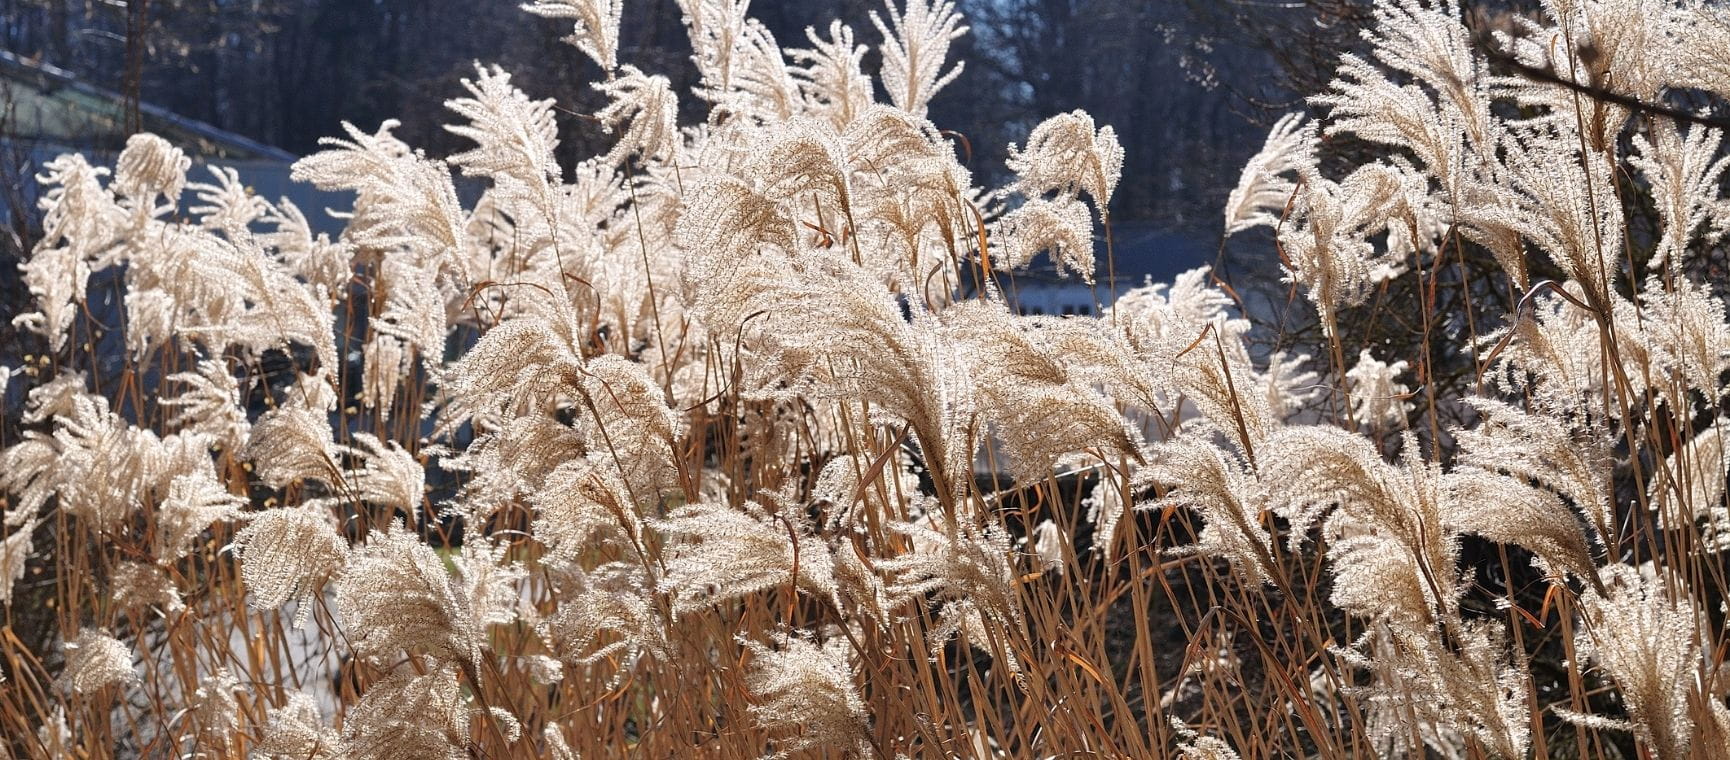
(718,553)
(1684,173)
(285,554)
(133,585)
(386,362)
(1066,155)
(914,53)
(1194,746)
(1545,450)
(293,443)
(214,705)
(15,552)
(409,715)
(516,136)
(404,199)
(1378,399)
(148,167)
(597,26)
(395,595)
(715,28)
(614,601)
(95,660)
(805,692)
(966,569)
(210,404)
(1048,541)
(1064,227)
(649,110)
(1263,191)
(1684,330)
(1035,408)
(295,731)
(1647,641)
(1506,510)
(414,308)
(1326,246)
(389,475)
(80,221)
(229,206)
(1217,485)
(832,73)
(583,504)
(1695,481)
(1105,509)
(315,259)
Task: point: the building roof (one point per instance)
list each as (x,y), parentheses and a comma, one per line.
(42,103)
(1151,250)
(46,111)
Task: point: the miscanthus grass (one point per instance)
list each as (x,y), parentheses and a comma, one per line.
(726,443)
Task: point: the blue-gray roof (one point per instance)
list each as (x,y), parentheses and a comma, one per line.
(51,105)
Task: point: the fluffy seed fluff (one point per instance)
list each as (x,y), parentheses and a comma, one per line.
(804,693)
